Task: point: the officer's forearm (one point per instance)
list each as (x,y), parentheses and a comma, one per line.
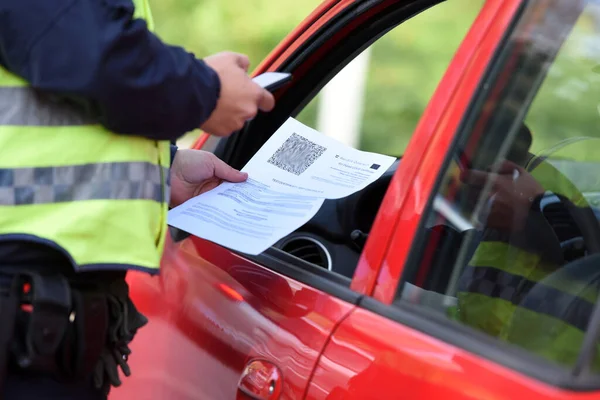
(158,91)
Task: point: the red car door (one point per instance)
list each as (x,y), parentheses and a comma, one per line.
(224,325)
(519,92)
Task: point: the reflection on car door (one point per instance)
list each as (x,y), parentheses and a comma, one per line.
(212,313)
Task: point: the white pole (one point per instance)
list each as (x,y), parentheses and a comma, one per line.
(341,103)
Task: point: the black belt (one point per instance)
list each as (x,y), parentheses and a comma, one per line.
(9,301)
(58,329)
(57,326)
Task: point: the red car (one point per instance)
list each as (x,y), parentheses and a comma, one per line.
(363,302)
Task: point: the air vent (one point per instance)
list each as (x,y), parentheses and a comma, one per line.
(561,221)
(308,249)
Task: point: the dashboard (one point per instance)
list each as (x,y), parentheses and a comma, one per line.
(335,236)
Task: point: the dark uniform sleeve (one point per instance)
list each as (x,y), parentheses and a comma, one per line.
(94,53)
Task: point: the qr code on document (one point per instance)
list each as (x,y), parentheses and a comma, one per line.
(296,154)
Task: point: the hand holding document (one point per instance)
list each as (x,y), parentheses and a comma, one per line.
(288,180)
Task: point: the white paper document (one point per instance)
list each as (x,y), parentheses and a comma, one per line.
(288,180)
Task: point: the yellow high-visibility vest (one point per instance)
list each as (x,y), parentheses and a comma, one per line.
(99,197)
(490,299)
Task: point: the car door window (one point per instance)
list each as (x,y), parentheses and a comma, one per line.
(401,70)
(410,46)
(510,243)
(393,80)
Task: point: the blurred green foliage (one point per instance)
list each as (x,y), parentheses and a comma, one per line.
(564,114)
(405,68)
(209,26)
(566,105)
(204,27)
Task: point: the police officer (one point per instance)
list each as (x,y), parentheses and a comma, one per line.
(510,289)
(90,100)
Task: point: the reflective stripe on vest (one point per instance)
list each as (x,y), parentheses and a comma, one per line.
(22,106)
(500,291)
(498,284)
(108,181)
(65,181)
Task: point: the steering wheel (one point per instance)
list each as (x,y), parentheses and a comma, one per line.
(586,221)
(583,217)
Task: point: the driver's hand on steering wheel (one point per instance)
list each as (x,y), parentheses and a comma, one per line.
(513,190)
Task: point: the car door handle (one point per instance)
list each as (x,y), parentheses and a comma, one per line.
(261,380)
